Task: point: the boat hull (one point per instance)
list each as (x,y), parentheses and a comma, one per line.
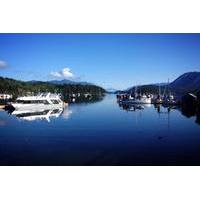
(138,101)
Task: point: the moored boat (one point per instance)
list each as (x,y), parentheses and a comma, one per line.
(139,99)
(158,99)
(170,100)
(42,101)
(135,98)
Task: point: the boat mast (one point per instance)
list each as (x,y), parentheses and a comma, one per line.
(136,90)
(168,88)
(164,92)
(140,90)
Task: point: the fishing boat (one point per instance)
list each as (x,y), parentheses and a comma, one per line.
(139,99)
(158,100)
(169,99)
(45,101)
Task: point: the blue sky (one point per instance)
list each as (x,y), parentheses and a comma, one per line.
(109,60)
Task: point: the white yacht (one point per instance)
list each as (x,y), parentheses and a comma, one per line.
(44,101)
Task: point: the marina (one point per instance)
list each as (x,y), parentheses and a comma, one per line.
(148,99)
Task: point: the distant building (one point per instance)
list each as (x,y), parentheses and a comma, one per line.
(5,96)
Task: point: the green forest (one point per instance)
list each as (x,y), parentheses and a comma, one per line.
(20,88)
(154,89)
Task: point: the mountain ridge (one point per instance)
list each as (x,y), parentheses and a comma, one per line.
(66,81)
(62,82)
(187,82)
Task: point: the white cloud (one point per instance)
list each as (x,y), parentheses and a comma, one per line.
(64,73)
(55,74)
(3,64)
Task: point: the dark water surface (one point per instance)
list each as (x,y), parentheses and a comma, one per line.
(102,133)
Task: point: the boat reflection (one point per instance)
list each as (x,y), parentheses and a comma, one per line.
(34,115)
(191,112)
(37,115)
(165,108)
(162,109)
(67,112)
(133,107)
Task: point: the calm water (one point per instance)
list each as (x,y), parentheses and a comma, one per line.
(101,133)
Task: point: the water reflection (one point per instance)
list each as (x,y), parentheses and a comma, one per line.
(2,122)
(33,115)
(103,134)
(164,108)
(37,115)
(134,107)
(191,112)
(161,109)
(67,112)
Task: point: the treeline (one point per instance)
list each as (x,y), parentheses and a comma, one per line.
(154,89)
(148,89)
(17,88)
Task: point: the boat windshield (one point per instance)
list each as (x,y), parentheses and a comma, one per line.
(54,101)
